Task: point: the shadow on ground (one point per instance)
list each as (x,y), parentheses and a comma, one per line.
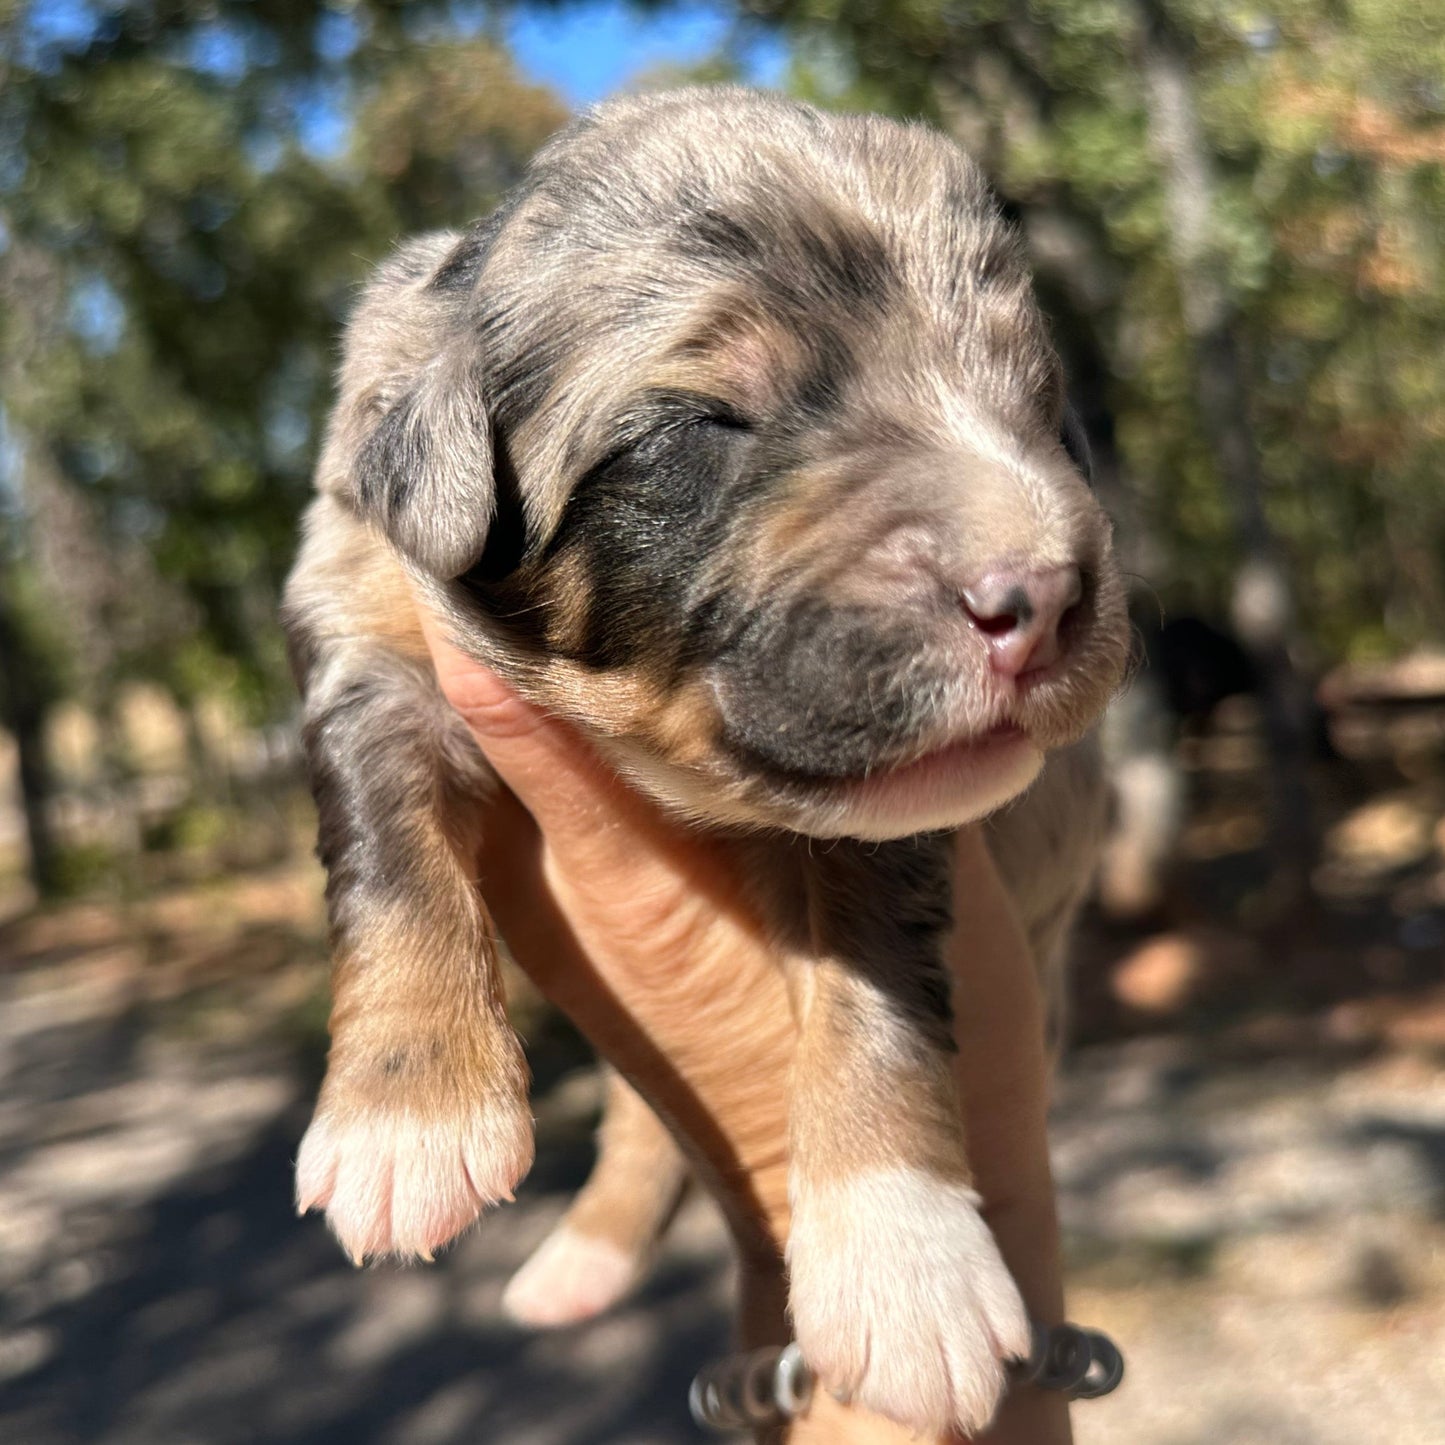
(158,1288)
(1257,1218)
(221,1318)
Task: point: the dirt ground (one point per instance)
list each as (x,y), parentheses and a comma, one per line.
(1255,1209)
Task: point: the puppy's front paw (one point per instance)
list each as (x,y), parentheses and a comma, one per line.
(901,1301)
(403,1171)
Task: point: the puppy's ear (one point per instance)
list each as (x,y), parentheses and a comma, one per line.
(424,476)
(409,444)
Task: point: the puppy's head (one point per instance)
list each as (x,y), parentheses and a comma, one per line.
(736,437)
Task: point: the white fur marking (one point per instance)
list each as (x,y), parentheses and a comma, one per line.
(569,1278)
(901,1300)
(392,1184)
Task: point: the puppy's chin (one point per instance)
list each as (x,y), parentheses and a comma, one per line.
(947,788)
(955,785)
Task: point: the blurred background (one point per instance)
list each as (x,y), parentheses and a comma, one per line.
(1237,215)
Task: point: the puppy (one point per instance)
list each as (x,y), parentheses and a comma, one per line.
(735,438)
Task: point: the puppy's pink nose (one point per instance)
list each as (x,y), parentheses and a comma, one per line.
(1019,614)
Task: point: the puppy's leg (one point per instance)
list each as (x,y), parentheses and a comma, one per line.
(606,1239)
(900,1298)
(423,1116)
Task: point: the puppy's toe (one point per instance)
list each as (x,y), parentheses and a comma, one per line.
(392,1183)
(569,1278)
(901,1301)
(316,1165)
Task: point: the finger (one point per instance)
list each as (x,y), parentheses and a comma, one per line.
(558,778)
(1002,1068)
(1003,1077)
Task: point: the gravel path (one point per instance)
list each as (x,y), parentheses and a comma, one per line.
(1265,1237)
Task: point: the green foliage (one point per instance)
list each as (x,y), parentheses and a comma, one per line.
(1325,130)
(84,868)
(191,189)
(197,189)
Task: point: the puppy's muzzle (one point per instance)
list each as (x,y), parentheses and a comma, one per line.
(1024,616)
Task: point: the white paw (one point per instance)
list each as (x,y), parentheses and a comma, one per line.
(399,1183)
(569,1278)
(901,1301)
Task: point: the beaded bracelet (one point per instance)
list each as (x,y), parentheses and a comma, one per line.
(763,1387)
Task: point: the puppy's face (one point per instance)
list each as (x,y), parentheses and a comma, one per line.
(738,440)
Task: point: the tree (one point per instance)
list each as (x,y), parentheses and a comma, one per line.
(194,189)
(1237,223)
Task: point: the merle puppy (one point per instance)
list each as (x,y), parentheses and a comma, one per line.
(734,437)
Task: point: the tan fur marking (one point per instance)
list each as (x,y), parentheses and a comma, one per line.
(736,355)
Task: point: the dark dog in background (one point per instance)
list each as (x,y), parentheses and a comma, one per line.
(735,437)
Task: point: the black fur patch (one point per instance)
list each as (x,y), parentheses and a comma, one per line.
(827,260)
(817,692)
(371,769)
(460,270)
(519,375)
(819,392)
(507,536)
(387,467)
(848,264)
(646,524)
(708,234)
(884,910)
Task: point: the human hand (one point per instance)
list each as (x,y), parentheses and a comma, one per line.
(639,929)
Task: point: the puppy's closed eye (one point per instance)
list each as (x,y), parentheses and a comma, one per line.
(665,456)
(723,416)
(675,416)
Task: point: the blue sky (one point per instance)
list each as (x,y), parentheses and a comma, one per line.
(586,51)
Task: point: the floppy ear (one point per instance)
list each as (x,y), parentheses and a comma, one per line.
(409,445)
(424,476)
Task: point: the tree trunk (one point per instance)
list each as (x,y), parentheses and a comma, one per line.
(1262,608)
(23,700)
